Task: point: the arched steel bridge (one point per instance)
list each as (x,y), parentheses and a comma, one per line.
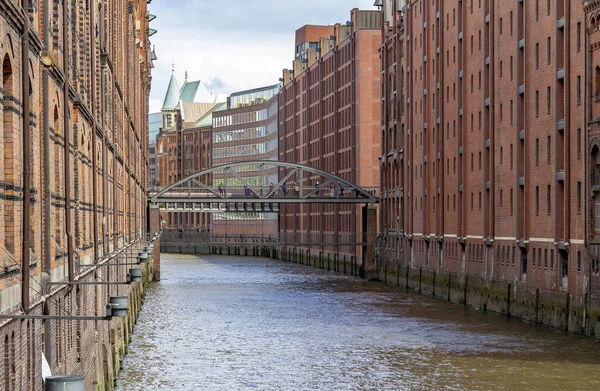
(228,188)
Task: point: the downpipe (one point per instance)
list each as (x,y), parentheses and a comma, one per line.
(25,87)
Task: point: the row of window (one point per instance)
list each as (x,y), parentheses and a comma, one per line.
(239,118)
(241,134)
(244,150)
(220,216)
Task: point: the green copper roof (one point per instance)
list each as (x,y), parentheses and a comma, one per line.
(188,91)
(172,96)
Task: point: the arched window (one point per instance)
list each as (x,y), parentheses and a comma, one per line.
(9,157)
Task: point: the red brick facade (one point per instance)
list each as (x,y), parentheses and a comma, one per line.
(87,177)
(329,117)
(183,151)
(484,140)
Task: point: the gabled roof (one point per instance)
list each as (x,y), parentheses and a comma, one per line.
(172,96)
(206,119)
(192,111)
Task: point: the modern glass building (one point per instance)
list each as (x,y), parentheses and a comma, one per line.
(246,130)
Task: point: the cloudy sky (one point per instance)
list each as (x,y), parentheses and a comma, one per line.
(233,44)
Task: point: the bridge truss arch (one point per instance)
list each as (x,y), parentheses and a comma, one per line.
(216,188)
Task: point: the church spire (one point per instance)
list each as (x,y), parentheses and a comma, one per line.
(172,95)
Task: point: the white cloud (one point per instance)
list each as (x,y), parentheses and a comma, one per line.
(245,44)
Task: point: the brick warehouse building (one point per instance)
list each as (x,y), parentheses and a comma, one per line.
(183,145)
(244,130)
(75,87)
(329,119)
(483,154)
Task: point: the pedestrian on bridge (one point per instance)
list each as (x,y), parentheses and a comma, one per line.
(284,187)
(271,189)
(220,189)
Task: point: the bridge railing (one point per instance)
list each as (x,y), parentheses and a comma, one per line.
(194,237)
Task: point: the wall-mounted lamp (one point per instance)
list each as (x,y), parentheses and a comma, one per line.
(118,306)
(46,58)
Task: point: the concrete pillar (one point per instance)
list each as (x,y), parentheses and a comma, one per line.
(155,227)
(369,222)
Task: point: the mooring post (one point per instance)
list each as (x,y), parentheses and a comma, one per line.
(369,223)
(155,227)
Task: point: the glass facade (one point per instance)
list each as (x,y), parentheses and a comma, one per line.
(253,97)
(244,134)
(234,151)
(302,48)
(239,119)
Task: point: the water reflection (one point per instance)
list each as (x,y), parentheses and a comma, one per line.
(227,323)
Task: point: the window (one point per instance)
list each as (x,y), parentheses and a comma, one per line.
(537,200)
(537,56)
(579,197)
(479,200)
(549,199)
(500,114)
(500,197)
(551,258)
(471,162)
(500,26)
(479,160)
(548,100)
(471,201)
(578,261)
(549,50)
(549,2)
(537,104)
(546,257)
(578,36)
(501,155)
(511,23)
(511,202)
(597,80)
(511,156)
(579,143)
(537,10)
(578,90)
(500,69)
(511,112)
(537,151)
(549,148)
(511,67)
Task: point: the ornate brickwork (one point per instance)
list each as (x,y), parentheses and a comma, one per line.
(85,79)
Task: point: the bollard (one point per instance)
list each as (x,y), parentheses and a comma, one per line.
(64,383)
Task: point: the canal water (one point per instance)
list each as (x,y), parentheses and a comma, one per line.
(235,323)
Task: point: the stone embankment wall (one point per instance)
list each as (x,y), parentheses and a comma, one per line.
(558,310)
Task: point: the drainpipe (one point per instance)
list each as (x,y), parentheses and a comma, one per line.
(47,194)
(67,159)
(25,240)
(94,161)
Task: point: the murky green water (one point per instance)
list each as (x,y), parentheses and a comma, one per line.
(234,323)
